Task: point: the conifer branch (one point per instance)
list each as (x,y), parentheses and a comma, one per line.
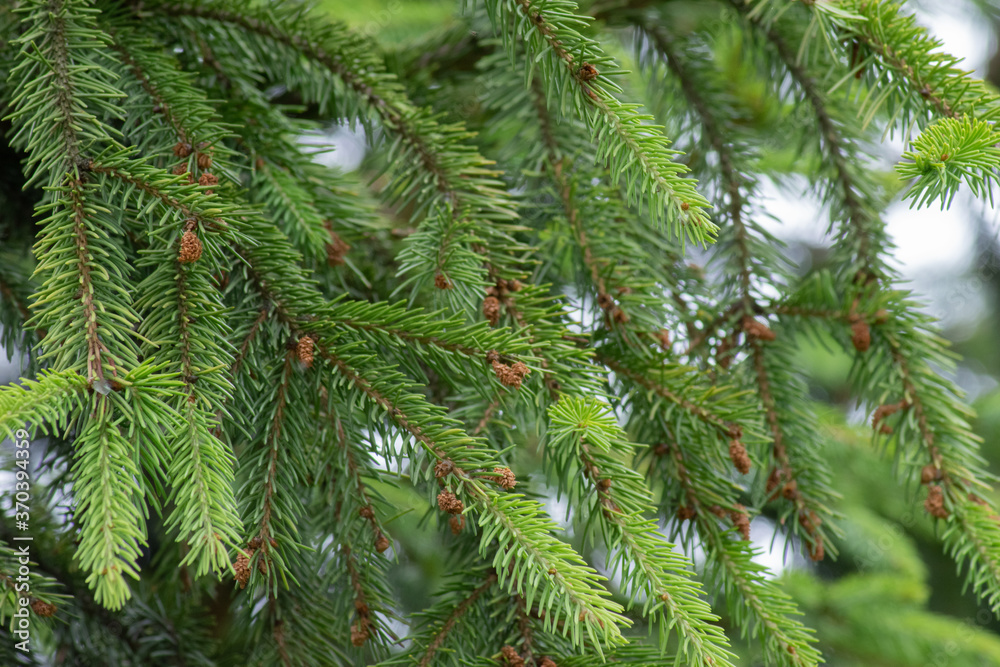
(809,501)
(751,596)
(573,65)
(441,635)
(587,430)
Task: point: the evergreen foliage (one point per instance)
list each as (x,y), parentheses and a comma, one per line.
(267,385)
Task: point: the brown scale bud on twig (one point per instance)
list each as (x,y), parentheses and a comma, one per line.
(930,473)
(182,149)
(588,72)
(619,315)
(366,512)
(443,467)
(441,282)
(816,550)
(757,329)
(685,513)
(359,632)
(883,411)
(204,161)
(336,249)
(304,350)
(861,336)
(491,310)
(511,657)
(935,503)
(208,179)
(449,502)
(741,520)
(605,301)
(738,455)
(456,523)
(547,662)
(191,248)
(43,609)
(773,480)
(663,337)
(791,490)
(510,376)
(180,169)
(506,480)
(381,543)
(242,567)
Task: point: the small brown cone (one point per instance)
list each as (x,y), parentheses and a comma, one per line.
(204,161)
(449,502)
(929,473)
(182,149)
(190,248)
(336,250)
(511,657)
(861,336)
(738,455)
(43,609)
(491,310)
(359,633)
(935,503)
(208,179)
(506,479)
(441,282)
(456,523)
(757,329)
(381,543)
(741,520)
(304,350)
(242,567)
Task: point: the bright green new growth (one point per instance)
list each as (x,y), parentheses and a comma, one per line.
(253,368)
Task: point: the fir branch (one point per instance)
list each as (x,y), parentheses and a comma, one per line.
(46,403)
(587,430)
(521,530)
(441,635)
(636,152)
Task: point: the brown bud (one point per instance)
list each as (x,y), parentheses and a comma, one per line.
(511,657)
(456,523)
(359,633)
(685,513)
(757,329)
(180,169)
(587,72)
(491,310)
(182,149)
(361,607)
(738,455)
(242,567)
(685,206)
(506,479)
(190,248)
(935,503)
(336,249)
(441,282)
(43,609)
(204,161)
(663,336)
(547,662)
(741,520)
(366,512)
(790,490)
(381,543)
(816,550)
(449,502)
(443,467)
(861,336)
(304,350)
